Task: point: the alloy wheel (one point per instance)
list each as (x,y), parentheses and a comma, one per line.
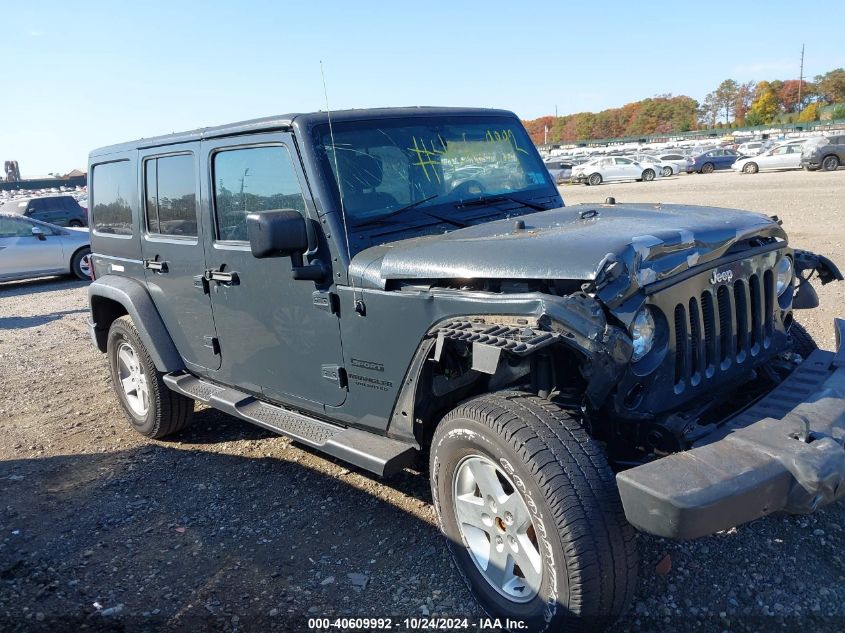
(133,381)
(497,529)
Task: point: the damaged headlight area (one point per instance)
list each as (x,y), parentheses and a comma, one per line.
(783,275)
(643,330)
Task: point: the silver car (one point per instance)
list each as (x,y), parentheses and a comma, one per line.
(30,248)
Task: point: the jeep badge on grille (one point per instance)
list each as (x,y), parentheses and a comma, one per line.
(719,277)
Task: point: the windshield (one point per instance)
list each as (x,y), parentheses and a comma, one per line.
(397,168)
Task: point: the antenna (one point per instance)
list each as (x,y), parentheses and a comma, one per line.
(359,304)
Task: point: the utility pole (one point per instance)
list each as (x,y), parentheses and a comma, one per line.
(801,80)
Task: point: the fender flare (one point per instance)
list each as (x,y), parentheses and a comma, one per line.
(137,303)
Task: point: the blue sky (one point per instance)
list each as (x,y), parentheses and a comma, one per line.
(80,75)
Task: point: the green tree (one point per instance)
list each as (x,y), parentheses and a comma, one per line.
(831,86)
(725,97)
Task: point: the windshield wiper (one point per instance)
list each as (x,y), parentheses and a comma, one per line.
(493,199)
(395,212)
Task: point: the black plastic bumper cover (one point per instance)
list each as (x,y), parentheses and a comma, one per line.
(762,461)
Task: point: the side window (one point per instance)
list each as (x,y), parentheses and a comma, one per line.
(13,227)
(252,179)
(170,197)
(623,161)
(111,187)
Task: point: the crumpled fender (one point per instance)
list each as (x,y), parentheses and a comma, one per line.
(807,262)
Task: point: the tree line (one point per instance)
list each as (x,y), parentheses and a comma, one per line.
(731,104)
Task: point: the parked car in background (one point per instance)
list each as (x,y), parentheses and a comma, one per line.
(660,167)
(612,168)
(751,148)
(58,210)
(678,161)
(559,170)
(30,248)
(710,161)
(781,157)
(826,153)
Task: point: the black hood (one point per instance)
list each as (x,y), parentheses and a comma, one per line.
(569,243)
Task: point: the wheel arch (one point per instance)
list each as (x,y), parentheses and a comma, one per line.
(111,297)
(428,392)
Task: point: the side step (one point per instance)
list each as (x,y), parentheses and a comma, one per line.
(378,454)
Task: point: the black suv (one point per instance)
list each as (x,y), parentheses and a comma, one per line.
(382,284)
(59,210)
(827,153)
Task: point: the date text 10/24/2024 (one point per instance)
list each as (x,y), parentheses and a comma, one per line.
(415,624)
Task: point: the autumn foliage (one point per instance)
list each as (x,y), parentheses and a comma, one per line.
(731,104)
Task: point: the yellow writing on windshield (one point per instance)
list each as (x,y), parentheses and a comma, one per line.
(429,156)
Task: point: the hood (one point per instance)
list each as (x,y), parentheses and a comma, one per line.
(569,243)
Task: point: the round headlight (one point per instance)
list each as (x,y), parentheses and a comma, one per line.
(783,275)
(642,333)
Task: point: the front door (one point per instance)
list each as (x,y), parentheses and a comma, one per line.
(174,252)
(276,337)
(21,252)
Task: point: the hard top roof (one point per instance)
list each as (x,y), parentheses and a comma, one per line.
(285,122)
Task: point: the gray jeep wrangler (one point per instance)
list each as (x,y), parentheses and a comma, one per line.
(383,284)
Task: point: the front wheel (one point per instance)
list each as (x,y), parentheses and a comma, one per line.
(594,179)
(75,224)
(648,175)
(751,168)
(667,171)
(531,513)
(153,410)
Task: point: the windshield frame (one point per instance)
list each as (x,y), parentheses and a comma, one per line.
(363,233)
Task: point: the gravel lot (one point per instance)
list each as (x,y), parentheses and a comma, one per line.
(228,527)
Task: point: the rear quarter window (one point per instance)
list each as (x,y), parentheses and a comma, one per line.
(111,186)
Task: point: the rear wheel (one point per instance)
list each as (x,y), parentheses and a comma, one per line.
(648,175)
(751,168)
(80,263)
(830,163)
(531,513)
(75,223)
(594,179)
(153,410)
(707,168)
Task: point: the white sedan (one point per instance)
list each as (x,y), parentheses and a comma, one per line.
(30,248)
(780,157)
(612,168)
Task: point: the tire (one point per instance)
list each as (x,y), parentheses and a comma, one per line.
(648,175)
(667,171)
(540,453)
(830,163)
(594,179)
(166,411)
(708,168)
(801,341)
(80,264)
(750,168)
(75,223)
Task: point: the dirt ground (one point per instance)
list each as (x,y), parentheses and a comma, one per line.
(227,527)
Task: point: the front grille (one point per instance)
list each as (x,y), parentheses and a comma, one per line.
(717,330)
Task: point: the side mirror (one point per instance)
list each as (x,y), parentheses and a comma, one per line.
(38,232)
(282,233)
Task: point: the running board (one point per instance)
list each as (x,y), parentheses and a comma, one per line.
(378,454)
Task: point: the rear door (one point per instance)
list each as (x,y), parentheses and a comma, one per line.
(174,252)
(278,336)
(23,253)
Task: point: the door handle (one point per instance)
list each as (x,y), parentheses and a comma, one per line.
(224,278)
(155,266)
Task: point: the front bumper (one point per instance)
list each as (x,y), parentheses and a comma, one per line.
(785,453)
